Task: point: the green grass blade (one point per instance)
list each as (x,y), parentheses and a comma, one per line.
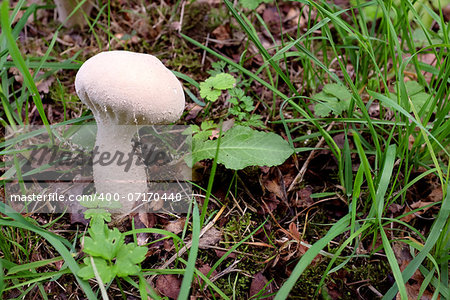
(55,241)
(20,63)
(190,266)
(433,237)
(34,265)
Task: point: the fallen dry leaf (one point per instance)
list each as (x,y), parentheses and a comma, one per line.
(273,187)
(194,110)
(259,283)
(210,238)
(414,206)
(43,86)
(226,125)
(294,231)
(435,195)
(148,219)
(413,285)
(168,285)
(222,33)
(176,226)
(221,253)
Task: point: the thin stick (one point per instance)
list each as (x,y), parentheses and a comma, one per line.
(301,174)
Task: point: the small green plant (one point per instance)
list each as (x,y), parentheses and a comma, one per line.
(334,98)
(240,146)
(107,253)
(241,105)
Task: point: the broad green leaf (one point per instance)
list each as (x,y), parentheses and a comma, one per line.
(242,146)
(419,100)
(128,257)
(103,242)
(412,88)
(212,87)
(416,93)
(334,98)
(338,90)
(105,271)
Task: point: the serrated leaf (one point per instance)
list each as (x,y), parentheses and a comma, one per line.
(207,125)
(222,81)
(242,146)
(211,88)
(322,110)
(105,271)
(103,242)
(338,90)
(208,92)
(127,259)
(254,121)
(335,98)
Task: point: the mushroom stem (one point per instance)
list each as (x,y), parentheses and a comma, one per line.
(116,173)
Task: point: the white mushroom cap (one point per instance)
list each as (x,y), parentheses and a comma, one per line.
(130,88)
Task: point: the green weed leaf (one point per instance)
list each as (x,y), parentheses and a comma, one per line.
(334,98)
(337,90)
(128,257)
(103,242)
(105,271)
(97,215)
(242,146)
(416,93)
(212,87)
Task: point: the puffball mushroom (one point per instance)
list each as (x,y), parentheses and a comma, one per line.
(125,89)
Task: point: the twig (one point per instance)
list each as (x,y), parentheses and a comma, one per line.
(301,174)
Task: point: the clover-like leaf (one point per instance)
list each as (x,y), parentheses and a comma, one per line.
(105,271)
(128,257)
